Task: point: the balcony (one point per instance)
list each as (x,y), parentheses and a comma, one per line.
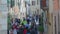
(45,8)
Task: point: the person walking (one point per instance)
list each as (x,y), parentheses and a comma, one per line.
(21,29)
(14,29)
(24,22)
(28,31)
(25,30)
(10,31)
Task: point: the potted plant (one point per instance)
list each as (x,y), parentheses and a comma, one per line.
(41,29)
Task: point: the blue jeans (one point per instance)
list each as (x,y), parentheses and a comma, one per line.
(28,33)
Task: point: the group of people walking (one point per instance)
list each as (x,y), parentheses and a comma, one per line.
(27,26)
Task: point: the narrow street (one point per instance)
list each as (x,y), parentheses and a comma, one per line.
(29,25)
(22,17)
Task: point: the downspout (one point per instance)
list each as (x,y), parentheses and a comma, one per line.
(58,17)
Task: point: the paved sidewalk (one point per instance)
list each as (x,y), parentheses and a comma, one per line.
(3,31)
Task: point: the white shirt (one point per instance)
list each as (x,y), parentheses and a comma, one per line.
(14,31)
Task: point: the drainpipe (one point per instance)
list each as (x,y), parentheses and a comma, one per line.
(58,17)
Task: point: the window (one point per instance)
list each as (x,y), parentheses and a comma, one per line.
(37,11)
(23,13)
(33,2)
(12,3)
(43,3)
(18,3)
(28,4)
(37,2)
(25,4)
(47,3)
